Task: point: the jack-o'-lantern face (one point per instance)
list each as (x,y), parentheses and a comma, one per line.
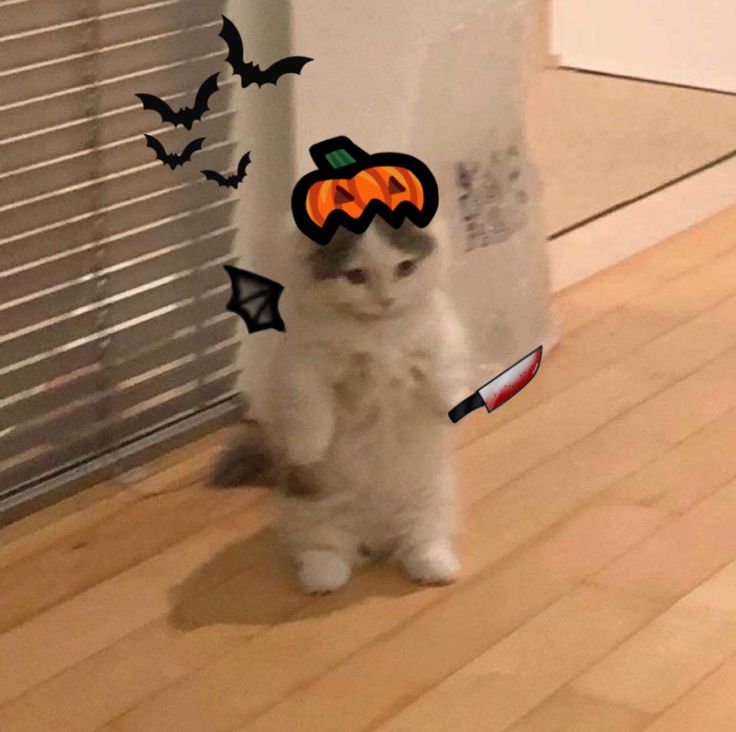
(350,187)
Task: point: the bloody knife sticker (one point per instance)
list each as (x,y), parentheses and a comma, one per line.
(502,388)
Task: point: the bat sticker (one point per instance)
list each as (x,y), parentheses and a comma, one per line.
(249,72)
(174,160)
(499,390)
(186,116)
(256,300)
(232,181)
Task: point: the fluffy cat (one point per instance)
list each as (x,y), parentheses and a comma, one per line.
(358,397)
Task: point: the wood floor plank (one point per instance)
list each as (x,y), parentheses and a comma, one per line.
(237,587)
(101,686)
(503,522)
(186,466)
(373,685)
(23,545)
(626,306)
(674,483)
(560,485)
(619,332)
(504,683)
(684,475)
(709,706)
(331,630)
(586,300)
(70,632)
(83,557)
(689,636)
(89,556)
(591,623)
(57,513)
(570,415)
(654,668)
(664,567)
(181,467)
(570,712)
(207,631)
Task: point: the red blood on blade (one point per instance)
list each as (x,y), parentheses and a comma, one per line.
(512,381)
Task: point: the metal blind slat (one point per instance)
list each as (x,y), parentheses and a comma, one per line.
(76,169)
(70,137)
(76,326)
(132,215)
(53,76)
(128,269)
(53,373)
(38,45)
(21,16)
(80,416)
(113,190)
(71,104)
(79,383)
(156,417)
(112,291)
(176,264)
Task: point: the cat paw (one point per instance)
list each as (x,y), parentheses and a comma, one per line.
(433,563)
(322,571)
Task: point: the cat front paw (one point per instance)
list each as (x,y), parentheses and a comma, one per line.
(322,571)
(432,563)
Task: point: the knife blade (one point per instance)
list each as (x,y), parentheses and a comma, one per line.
(500,389)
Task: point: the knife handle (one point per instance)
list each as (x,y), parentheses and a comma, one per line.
(473,402)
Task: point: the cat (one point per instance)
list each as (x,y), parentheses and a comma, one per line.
(360,386)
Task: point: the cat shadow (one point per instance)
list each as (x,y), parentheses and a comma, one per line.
(253,582)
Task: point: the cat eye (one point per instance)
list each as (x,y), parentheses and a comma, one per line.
(405,268)
(356,276)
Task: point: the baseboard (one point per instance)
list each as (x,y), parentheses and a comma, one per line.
(645,222)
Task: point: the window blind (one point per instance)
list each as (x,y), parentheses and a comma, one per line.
(113,329)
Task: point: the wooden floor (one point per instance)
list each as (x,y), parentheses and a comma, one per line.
(599,550)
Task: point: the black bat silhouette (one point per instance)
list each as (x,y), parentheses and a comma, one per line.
(251,73)
(232,181)
(174,160)
(186,116)
(256,300)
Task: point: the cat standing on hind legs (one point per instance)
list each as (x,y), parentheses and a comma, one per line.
(361,384)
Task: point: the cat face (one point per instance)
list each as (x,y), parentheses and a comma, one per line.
(376,275)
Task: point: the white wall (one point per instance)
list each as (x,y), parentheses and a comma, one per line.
(680,41)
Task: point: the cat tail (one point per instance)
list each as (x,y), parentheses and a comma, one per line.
(246,461)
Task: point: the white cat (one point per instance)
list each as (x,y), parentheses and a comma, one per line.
(360,387)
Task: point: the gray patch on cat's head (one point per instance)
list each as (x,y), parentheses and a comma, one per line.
(331,261)
(408,238)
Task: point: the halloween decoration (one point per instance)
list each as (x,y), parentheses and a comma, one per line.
(186,116)
(251,73)
(499,390)
(232,181)
(171,159)
(256,300)
(350,187)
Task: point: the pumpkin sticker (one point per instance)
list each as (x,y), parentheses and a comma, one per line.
(350,187)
